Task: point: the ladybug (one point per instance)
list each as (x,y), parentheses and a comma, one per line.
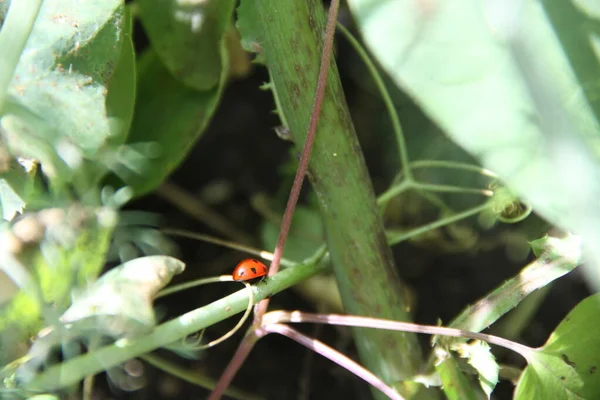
(249,270)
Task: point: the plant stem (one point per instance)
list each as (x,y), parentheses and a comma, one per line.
(451,189)
(452,165)
(288,215)
(393,191)
(194,378)
(335,356)
(225,243)
(395,238)
(289,33)
(74,370)
(377,323)
(308,144)
(201,212)
(13,37)
(387,100)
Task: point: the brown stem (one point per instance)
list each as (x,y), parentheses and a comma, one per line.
(234,365)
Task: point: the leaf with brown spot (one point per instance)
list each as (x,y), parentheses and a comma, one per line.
(563,366)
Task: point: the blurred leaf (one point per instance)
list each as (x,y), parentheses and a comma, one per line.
(127,292)
(553,248)
(566,367)
(455,384)
(480,357)
(170,115)
(117,305)
(189,38)
(48,254)
(17,186)
(120,100)
(514,83)
(59,89)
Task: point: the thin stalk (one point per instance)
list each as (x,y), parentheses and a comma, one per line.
(201,212)
(265,255)
(436,201)
(451,189)
(88,387)
(335,356)
(15,31)
(377,323)
(452,165)
(387,100)
(236,361)
(395,238)
(194,378)
(393,191)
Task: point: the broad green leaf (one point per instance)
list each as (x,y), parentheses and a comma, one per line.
(566,367)
(117,305)
(60,86)
(514,83)
(120,100)
(169,115)
(189,38)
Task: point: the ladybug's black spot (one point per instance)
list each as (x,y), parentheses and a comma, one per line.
(253,270)
(241,273)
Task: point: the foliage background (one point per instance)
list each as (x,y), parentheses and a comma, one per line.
(243,170)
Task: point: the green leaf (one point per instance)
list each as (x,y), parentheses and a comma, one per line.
(567,366)
(515,86)
(17,186)
(170,115)
(117,305)
(120,100)
(554,248)
(480,357)
(127,292)
(455,384)
(62,248)
(59,89)
(189,38)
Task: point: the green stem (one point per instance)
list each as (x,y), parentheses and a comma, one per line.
(451,165)
(73,371)
(395,238)
(194,378)
(450,189)
(13,37)
(436,201)
(392,192)
(290,34)
(387,100)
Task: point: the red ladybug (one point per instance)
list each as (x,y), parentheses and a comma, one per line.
(249,270)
